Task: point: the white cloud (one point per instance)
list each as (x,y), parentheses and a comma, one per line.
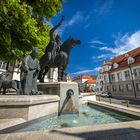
(124,44)
(87,25)
(78,17)
(103,8)
(87,71)
(99,57)
(102,57)
(61,29)
(103,48)
(97,42)
(93,46)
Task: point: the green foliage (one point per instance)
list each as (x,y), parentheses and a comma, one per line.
(22,26)
(49,8)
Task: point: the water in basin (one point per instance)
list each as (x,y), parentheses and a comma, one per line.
(88,115)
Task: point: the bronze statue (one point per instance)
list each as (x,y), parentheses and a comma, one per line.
(56,55)
(5,83)
(60,60)
(29,73)
(54,43)
(52,48)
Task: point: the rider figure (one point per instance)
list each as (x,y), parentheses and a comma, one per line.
(51,51)
(58,42)
(55,42)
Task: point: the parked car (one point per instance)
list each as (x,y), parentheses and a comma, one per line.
(106,94)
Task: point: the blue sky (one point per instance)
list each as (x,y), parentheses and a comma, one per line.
(106,28)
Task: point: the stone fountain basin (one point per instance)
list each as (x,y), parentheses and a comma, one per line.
(28,107)
(104,131)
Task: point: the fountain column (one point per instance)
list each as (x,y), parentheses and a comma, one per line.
(68,93)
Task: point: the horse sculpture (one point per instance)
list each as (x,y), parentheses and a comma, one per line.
(58,59)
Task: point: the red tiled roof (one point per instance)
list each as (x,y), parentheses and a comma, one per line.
(122,59)
(84,77)
(90,82)
(108,63)
(124,63)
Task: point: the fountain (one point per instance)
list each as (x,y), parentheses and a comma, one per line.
(57,56)
(68,104)
(68,93)
(58,97)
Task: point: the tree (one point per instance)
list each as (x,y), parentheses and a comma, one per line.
(22,26)
(47,8)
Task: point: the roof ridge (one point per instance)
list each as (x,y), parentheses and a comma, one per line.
(132,53)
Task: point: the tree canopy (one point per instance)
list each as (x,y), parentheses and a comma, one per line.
(22,25)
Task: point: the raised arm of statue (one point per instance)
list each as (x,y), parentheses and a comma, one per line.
(54,28)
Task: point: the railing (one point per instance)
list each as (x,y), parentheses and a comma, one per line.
(117,101)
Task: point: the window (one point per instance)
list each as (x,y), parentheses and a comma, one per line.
(119,75)
(101,89)
(101,83)
(3,65)
(136,72)
(115,65)
(121,88)
(105,78)
(49,74)
(112,77)
(114,88)
(138,86)
(108,88)
(97,84)
(129,87)
(130,60)
(127,74)
(0,64)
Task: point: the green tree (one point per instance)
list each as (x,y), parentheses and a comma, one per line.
(22,26)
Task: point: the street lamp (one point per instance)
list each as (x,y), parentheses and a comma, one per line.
(130,61)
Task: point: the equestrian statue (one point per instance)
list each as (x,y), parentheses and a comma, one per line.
(56,55)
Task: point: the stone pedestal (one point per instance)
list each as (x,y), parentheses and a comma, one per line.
(36,106)
(67,104)
(28,107)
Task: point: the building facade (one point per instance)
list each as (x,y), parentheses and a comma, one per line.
(121,76)
(85,82)
(90,85)
(13,71)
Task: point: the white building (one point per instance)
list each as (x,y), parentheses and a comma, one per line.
(121,76)
(90,85)
(81,80)
(14,72)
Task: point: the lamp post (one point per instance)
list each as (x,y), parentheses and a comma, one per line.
(130,61)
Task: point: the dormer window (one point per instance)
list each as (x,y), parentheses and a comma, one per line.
(109,67)
(115,65)
(130,60)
